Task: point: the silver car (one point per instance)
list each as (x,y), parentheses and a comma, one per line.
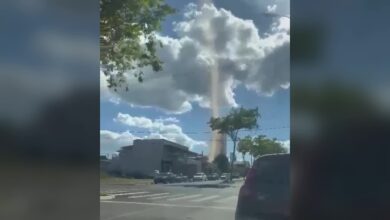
(200,177)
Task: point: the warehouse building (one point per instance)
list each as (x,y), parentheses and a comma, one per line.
(145,157)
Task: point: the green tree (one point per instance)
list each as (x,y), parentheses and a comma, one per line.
(231,124)
(222,163)
(127,37)
(263,145)
(244,146)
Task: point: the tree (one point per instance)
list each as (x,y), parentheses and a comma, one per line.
(231,124)
(222,163)
(127,37)
(263,145)
(244,146)
(209,168)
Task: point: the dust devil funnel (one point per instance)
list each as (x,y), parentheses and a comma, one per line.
(218,141)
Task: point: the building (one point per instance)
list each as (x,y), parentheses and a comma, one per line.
(145,157)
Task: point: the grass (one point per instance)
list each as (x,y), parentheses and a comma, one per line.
(106,179)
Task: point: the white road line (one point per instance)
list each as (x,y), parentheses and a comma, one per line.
(171,205)
(129,193)
(107,197)
(185,197)
(168,196)
(227,199)
(205,198)
(112,196)
(148,195)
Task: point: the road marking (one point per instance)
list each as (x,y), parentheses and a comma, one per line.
(113,196)
(107,197)
(205,198)
(185,197)
(171,205)
(227,199)
(168,196)
(129,193)
(148,195)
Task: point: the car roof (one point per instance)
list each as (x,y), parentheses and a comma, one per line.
(283,157)
(272,156)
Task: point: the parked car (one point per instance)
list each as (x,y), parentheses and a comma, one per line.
(266,191)
(181,178)
(164,178)
(200,177)
(225,176)
(213,176)
(235,175)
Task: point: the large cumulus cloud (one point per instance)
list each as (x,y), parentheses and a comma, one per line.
(160,129)
(111,141)
(209,38)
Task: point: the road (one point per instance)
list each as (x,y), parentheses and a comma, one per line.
(158,202)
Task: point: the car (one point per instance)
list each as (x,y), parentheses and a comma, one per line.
(213,176)
(265,193)
(160,178)
(164,178)
(235,175)
(181,178)
(200,177)
(225,176)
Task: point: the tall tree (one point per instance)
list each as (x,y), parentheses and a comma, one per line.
(127,37)
(232,123)
(222,163)
(244,146)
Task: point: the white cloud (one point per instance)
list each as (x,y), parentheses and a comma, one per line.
(105,93)
(160,129)
(285,144)
(242,57)
(271,8)
(111,141)
(281,7)
(168,120)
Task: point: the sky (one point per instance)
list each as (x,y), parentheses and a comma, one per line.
(252,53)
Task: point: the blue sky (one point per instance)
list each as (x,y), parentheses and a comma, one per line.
(174,104)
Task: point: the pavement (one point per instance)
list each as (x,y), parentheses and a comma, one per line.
(173,202)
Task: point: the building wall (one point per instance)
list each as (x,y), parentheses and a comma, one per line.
(144,158)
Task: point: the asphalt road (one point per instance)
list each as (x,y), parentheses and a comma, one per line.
(158,202)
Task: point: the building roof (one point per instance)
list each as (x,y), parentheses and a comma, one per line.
(163,142)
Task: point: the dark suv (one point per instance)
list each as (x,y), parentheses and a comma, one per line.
(164,178)
(265,194)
